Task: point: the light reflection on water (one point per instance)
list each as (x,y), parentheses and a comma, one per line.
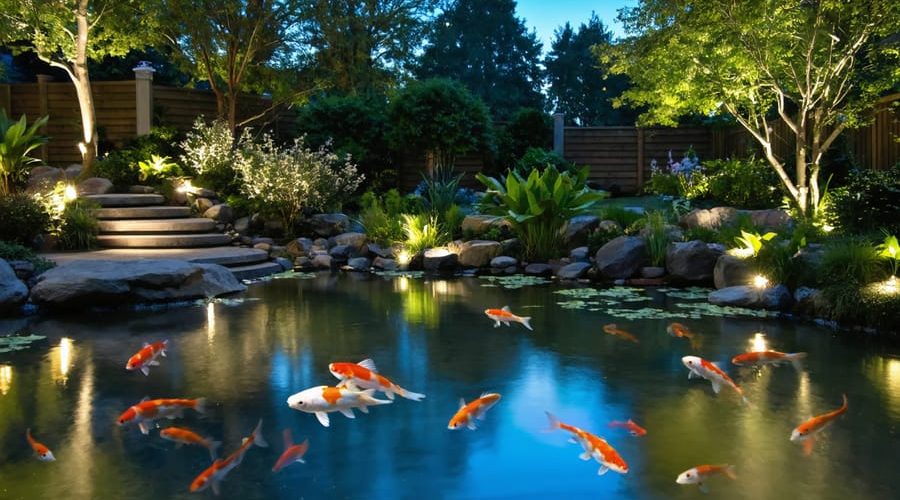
(431,336)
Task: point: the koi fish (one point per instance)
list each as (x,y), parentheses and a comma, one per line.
(292,452)
(700,474)
(41,452)
(144,413)
(324,399)
(633,428)
(762,358)
(186,436)
(699,367)
(612,329)
(364,375)
(146,357)
(506,317)
(468,413)
(594,447)
(215,473)
(806,432)
(680,331)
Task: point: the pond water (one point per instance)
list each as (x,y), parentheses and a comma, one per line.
(248,354)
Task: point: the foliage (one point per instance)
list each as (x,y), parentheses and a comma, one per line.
(657,237)
(381,215)
(22,219)
(14,251)
(209,150)
(742,183)
(536,158)
(683,178)
(79,227)
(121,166)
(602,236)
(743,58)
(489,51)
(528,129)
(440,190)
(17,140)
(158,168)
(868,201)
(749,244)
(889,249)
(849,262)
(702,233)
(622,216)
(778,261)
(539,206)
(578,86)
(440,118)
(290,179)
(423,231)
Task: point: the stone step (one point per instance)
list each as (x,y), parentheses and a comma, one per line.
(143,226)
(126,200)
(153,212)
(256,271)
(162,240)
(225,255)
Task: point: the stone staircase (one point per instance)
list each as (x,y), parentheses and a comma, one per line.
(140,226)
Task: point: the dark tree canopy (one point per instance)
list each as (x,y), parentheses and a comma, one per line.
(578,85)
(485,46)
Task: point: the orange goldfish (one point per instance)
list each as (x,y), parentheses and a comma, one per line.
(292,452)
(364,375)
(699,367)
(762,358)
(215,473)
(612,329)
(146,357)
(187,436)
(594,447)
(468,413)
(680,331)
(806,432)
(506,317)
(144,413)
(699,474)
(633,428)
(40,451)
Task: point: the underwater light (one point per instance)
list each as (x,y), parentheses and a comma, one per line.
(760,281)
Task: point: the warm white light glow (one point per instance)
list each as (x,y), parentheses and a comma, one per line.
(401,284)
(62,360)
(741,253)
(890,287)
(758,342)
(403,257)
(210,321)
(6,374)
(70,193)
(440,287)
(437,252)
(827,228)
(185,187)
(760,281)
(82,148)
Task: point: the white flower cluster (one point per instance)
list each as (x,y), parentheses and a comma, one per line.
(208,147)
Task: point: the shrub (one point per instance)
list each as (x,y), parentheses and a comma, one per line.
(850,262)
(423,231)
(683,178)
(743,183)
(624,217)
(157,169)
(537,158)
(17,141)
(209,150)
(22,219)
(528,129)
(539,206)
(889,250)
(79,226)
(121,166)
(777,260)
(870,200)
(14,251)
(381,215)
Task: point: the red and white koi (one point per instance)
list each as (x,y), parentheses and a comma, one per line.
(699,367)
(468,413)
(633,428)
(293,453)
(41,452)
(364,375)
(215,473)
(186,436)
(505,316)
(806,432)
(594,447)
(614,330)
(146,357)
(775,358)
(700,474)
(144,413)
(324,399)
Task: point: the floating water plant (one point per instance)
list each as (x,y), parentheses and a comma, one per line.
(400,274)
(18,342)
(514,281)
(707,309)
(692,293)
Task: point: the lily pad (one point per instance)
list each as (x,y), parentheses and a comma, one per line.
(514,281)
(707,309)
(646,313)
(400,274)
(294,274)
(692,293)
(18,342)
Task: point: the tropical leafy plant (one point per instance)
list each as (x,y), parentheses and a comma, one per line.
(158,168)
(890,250)
(750,243)
(423,231)
(538,207)
(17,140)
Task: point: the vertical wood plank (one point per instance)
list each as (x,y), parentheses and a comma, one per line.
(640,159)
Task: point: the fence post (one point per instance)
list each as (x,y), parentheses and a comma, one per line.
(559,134)
(143,97)
(43,110)
(640,159)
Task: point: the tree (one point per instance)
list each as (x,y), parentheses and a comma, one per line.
(485,46)
(67,33)
(817,66)
(362,47)
(232,44)
(578,85)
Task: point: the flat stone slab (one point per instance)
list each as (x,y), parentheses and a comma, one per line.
(153,212)
(126,200)
(256,271)
(162,240)
(225,256)
(190,225)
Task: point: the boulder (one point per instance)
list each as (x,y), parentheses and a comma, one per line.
(285,264)
(329,224)
(539,269)
(573,271)
(220,213)
(621,257)
(721,216)
(262,246)
(772,219)
(609,226)
(299,247)
(205,193)
(653,272)
(107,283)
(511,245)
(94,185)
(73,170)
(731,271)
(44,178)
(384,264)
(201,205)
(503,261)
(777,298)
(811,301)
(340,252)
(479,223)
(303,264)
(141,190)
(673,233)
(739,296)
(580,254)
(379,251)
(691,261)
(13,292)
(359,263)
(242,225)
(355,240)
(24,269)
(478,253)
(579,228)
(439,259)
(322,261)
(262,239)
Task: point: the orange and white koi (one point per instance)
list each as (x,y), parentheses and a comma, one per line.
(41,452)
(324,399)
(700,474)
(762,358)
(505,316)
(633,428)
(612,329)
(186,436)
(475,410)
(144,413)
(594,447)
(806,432)
(146,357)
(681,331)
(364,375)
(293,453)
(215,473)
(699,367)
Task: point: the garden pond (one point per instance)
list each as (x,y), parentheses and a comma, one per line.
(66,380)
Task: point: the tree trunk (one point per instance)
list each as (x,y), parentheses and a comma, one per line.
(82,81)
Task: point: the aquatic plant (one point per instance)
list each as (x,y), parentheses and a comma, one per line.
(514,281)
(657,238)
(12,343)
(422,231)
(17,141)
